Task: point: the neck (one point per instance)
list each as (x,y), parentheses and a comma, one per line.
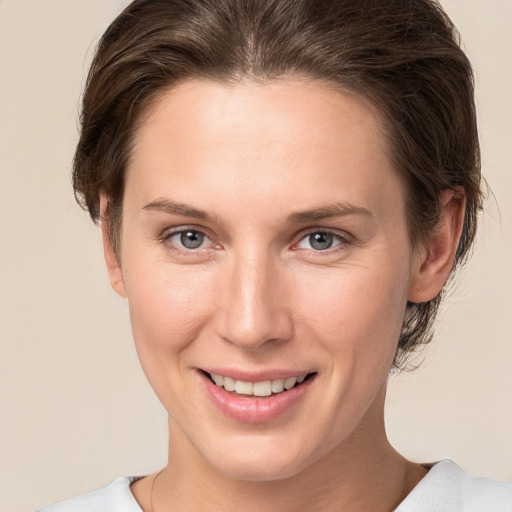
(362,473)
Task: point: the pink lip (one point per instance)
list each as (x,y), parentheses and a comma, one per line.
(250,409)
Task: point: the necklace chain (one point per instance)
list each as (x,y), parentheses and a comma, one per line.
(152,488)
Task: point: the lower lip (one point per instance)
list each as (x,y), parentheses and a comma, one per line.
(251,409)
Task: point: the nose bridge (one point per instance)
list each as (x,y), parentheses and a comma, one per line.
(254,309)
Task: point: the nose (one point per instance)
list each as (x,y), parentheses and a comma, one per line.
(253,303)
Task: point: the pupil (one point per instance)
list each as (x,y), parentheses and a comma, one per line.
(320,241)
(191,239)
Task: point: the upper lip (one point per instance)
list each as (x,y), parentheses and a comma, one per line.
(256,376)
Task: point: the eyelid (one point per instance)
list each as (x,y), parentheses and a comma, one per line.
(343,237)
(167,234)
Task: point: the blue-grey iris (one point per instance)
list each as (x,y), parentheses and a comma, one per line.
(321,241)
(191,239)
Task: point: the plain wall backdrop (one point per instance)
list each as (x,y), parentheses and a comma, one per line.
(75,409)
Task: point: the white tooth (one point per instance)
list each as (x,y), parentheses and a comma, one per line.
(277,385)
(218,379)
(290,382)
(300,379)
(262,388)
(229,384)
(243,388)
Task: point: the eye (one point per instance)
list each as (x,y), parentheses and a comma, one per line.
(320,241)
(188,239)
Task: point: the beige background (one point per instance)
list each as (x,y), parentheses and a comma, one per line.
(75,409)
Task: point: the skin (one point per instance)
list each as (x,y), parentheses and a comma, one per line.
(257,295)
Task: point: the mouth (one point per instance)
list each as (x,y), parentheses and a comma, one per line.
(259,389)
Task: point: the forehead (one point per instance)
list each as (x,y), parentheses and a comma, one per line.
(305,139)
(265,110)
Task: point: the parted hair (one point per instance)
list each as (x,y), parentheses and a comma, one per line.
(402,55)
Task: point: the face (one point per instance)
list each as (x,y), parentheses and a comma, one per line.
(264,240)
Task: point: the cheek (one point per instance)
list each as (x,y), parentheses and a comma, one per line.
(168,307)
(356,313)
(168,310)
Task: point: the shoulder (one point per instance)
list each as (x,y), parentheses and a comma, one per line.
(449,488)
(116,497)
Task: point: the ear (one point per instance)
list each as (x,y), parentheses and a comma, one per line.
(435,260)
(115,273)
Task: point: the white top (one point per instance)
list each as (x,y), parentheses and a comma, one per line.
(445,488)
(448,488)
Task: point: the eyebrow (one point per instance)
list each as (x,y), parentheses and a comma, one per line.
(325,212)
(328,212)
(174,208)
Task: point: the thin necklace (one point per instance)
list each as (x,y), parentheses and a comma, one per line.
(152,487)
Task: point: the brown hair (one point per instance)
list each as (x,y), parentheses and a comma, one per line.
(403,55)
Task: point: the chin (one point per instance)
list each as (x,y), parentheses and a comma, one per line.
(258,470)
(259,461)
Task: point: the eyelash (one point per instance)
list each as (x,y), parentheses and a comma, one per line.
(342,239)
(166,240)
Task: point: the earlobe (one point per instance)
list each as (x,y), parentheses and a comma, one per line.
(435,261)
(111,259)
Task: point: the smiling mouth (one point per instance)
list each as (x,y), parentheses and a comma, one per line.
(257,389)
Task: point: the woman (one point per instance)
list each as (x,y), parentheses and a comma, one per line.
(284,188)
